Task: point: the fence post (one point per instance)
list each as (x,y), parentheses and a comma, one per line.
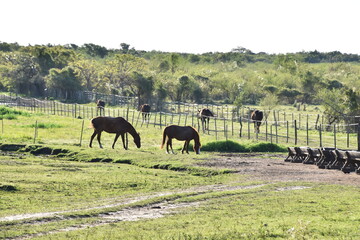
(266,131)
(295,132)
(160,121)
(287,131)
(248,128)
(35,133)
(215,129)
(240,130)
(307,133)
(358,136)
(232,126)
(348,136)
(335,135)
(82,130)
(277,139)
(320,134)
(224,127)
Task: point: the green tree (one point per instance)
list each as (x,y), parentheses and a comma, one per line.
(64,81)
(87,71)
(141,87)
(20,73)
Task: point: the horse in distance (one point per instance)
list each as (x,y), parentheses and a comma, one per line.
(256,117)
(100,106)
(204,115)
(117,125)
(145,111)
(181,133)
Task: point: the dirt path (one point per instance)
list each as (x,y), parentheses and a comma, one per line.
(272,168)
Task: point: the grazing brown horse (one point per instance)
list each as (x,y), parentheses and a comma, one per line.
(145,110)
(182,134)
(204,115)
(257,116)
(100,106)
(117,125)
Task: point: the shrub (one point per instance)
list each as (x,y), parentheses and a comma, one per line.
(231,146)
(224,146)
(7,113)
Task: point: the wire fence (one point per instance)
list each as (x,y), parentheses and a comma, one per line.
(282,128)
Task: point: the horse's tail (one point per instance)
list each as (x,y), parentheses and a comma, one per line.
(94,123)
(164,138)
(91,125)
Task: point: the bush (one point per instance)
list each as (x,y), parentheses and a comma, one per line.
(223,146)
(231,146)
(7,113)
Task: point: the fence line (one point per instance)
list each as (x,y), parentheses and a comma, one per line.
(296,131)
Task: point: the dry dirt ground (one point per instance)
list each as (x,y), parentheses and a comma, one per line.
(272,168)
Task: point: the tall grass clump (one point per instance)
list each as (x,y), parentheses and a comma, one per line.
(231,146)
(8,113)
(44,125)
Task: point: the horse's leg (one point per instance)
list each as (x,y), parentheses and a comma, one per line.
(98,138)
(123,141)
(183,149)
(167,146)
(186,147)
(116,138)
(92,137)
(170,144)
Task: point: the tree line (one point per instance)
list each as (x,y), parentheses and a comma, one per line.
(237,77)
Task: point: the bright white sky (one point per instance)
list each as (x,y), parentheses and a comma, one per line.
(191,26)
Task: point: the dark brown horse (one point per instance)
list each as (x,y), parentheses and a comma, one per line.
(257,116)
(117,125)
(100,107)
(145,110)
(182,134)
(204,115)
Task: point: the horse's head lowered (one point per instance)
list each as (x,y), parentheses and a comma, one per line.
(137,139)
(197,146)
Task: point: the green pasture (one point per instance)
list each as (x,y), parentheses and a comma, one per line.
(73,189)
(73,128)
(78,185)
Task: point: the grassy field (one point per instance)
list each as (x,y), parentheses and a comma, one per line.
(78,192)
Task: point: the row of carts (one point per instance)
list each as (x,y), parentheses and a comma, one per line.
(326,158)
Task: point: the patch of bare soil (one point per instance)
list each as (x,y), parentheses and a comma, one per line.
(271,167)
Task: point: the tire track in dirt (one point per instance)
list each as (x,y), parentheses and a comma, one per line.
(150,211)
(196,190)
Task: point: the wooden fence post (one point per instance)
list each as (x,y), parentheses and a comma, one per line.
(82,130)
(215,129)
(307,133)
(320,134)
(334,135)
(277,139)
(266,131)
(358,137)
(36,131)
(287,131)
(240,130)
(295,132)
